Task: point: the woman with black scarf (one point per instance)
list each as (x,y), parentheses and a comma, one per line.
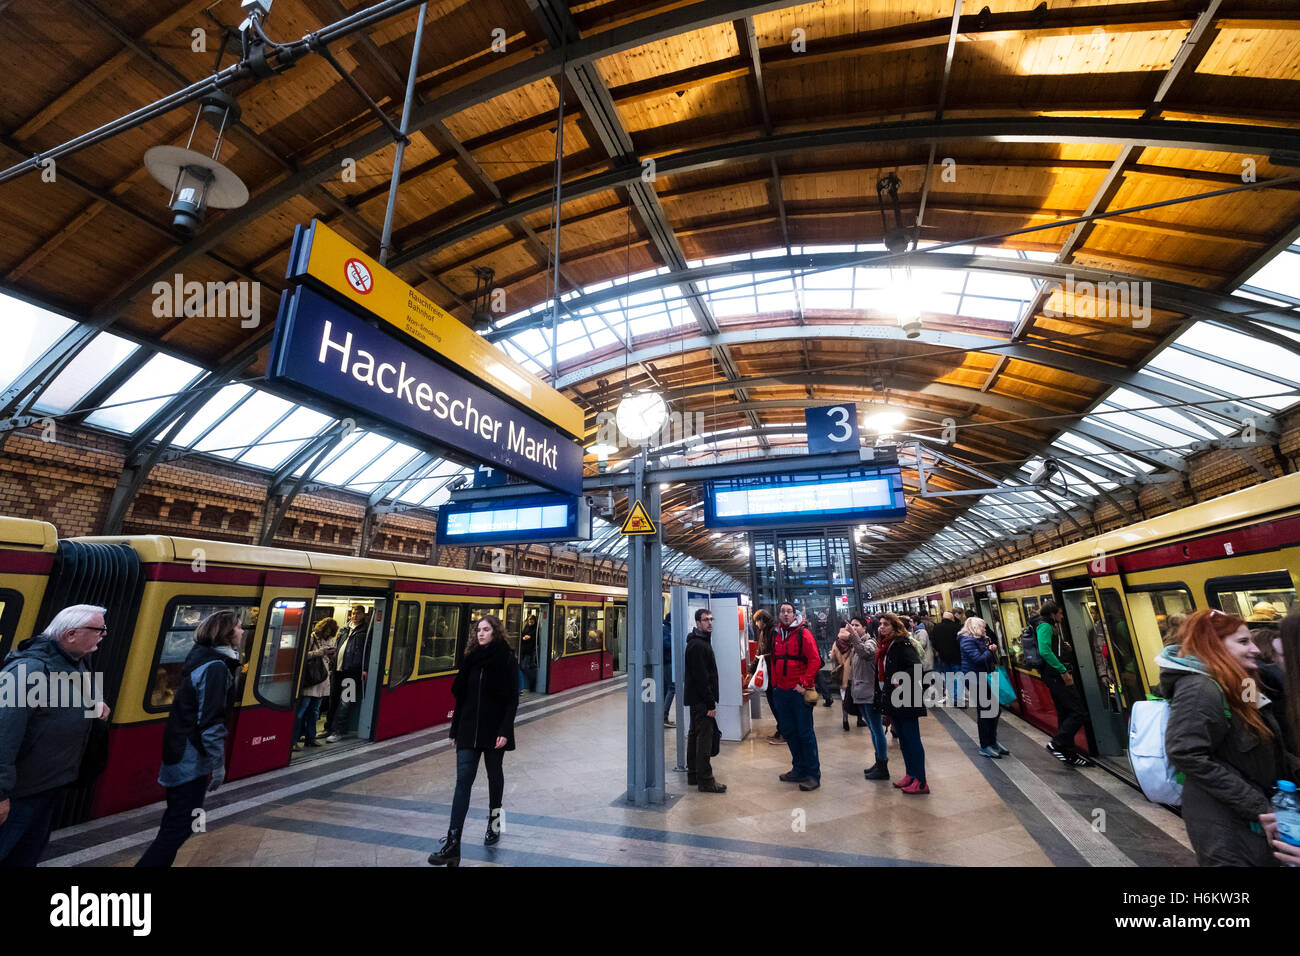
(483,725)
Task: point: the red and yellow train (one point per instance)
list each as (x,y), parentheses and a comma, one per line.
(1239,553)
(158,588)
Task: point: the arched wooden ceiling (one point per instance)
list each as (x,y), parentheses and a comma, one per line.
(768,125)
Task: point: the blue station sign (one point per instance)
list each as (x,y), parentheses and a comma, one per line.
(327,355)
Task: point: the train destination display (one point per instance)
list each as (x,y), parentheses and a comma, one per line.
(518,520)
(870,495)
(334,358)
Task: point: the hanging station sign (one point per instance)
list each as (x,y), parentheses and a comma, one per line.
(519,520)
(334,359)
(322,258)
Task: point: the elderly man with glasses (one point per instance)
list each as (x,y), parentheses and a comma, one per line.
(43,737)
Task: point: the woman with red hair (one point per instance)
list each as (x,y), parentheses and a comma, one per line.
(1224,738)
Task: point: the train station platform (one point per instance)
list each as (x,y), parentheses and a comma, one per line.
(386,804)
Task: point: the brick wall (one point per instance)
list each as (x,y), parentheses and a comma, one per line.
(69,483)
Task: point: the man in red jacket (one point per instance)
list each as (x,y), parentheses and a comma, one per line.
(795,662)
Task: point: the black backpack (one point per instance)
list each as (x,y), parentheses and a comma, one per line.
(1029,643)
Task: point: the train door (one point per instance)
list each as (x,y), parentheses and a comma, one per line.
(1101,695)
(616,639)
(536,655)
(1123,667)
(363,698)
(262,723)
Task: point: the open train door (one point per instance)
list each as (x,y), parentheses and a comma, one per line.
(262,724)
(1119,669)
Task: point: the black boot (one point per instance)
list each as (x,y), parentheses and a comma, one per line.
(495,823)
(449,853)
(877,771)
(846,724)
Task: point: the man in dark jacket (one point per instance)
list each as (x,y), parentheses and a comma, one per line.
(42,739)
(353,657)
(701,696)
(945,642)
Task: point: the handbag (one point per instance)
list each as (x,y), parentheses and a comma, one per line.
(314,672)
(811,696)
(94,759)
(716,748)
(1006,693)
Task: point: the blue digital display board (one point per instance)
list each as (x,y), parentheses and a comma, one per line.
(330,358)
(519,520)
(860,495)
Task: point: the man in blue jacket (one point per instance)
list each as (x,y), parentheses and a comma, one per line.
(42,740)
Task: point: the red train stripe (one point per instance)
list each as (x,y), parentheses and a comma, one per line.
(25,562)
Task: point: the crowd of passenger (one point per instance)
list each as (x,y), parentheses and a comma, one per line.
(1232,685)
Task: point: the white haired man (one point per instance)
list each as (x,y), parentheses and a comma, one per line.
(42,739)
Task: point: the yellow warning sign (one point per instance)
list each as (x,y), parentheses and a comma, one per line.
(638,521)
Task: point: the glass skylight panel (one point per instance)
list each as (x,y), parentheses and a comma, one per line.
(729,305)
(218,405)
(29,332)
(829,279)
(996,285)
(778,302)
(244,424)
(604,337)
(383,469)
(938,280)
(96,361)
(359,456)
(568,350)
(275,448)
(1148,433)
(828,299)
(653,323)
(1249,387)
(942,302)
(999,310)
(1282,274)
(1241,348)
(162,375)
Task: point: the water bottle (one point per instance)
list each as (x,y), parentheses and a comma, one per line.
(1286,806)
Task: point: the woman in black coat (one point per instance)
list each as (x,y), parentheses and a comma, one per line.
(904,704)
(483,725)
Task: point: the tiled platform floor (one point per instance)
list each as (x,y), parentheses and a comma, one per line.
(387,804)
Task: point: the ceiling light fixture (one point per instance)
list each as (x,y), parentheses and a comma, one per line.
(641,415)
(199,181)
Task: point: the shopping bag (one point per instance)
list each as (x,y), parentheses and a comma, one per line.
(758,679)
(1006,693)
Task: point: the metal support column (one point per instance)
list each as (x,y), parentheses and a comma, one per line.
(386,238)
(645,738)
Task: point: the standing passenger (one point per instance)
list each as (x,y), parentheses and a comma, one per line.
(353,659)
(905,706)
(320,649)
(1060,684)
(483,725)
(41,747)
(795,663)
(863,688)
(194,741)
(701,695)
(1223,738)
(764,628)
(669,682)
(979,658)
(841,651)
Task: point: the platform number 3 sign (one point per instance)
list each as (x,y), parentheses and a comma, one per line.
(832,428)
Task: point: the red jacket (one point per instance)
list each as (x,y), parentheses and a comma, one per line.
(788,646)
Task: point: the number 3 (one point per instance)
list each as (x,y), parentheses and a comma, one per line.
(840,417)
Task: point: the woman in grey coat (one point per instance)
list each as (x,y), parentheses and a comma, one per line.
(1224,737)
(862,688)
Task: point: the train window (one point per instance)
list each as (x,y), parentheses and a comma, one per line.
(441,630)
(1124,663)
(180,621)
(275,673)
(1258,598)
(593,629)
(570,619)
(1151,608)
(406,634)
(1030,604)
(1012,625)
(11,606)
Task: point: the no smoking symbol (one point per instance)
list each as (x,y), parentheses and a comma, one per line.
(358,276)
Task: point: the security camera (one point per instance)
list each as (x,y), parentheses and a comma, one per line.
(259,7)
(1044,472)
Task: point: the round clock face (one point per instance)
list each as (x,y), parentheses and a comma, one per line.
(640,416)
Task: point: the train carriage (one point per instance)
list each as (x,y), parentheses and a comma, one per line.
(158,588)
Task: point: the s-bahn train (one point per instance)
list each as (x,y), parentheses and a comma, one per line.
(1239,553)
(158,588)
